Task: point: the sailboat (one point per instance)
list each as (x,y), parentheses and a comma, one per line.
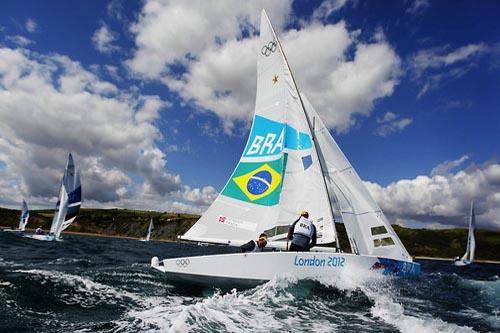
(23,219)
(25,215)
(150,230)
(290,163)
(68,204)
(468,257)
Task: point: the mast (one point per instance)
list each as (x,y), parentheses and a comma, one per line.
(311,129)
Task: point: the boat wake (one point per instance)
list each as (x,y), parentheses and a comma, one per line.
(286,304)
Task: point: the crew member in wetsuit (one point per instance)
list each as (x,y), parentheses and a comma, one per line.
(255,246)
(302,233)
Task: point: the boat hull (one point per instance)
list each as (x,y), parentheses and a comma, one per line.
(250,269)
(13,230)
(462,263)
(47,238)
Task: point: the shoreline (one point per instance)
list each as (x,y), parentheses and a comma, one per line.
(78,233)
(481,261)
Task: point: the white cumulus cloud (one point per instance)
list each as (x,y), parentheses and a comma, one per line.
(444,199)
(210,58)
(51,105)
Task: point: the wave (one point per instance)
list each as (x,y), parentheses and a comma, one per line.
(282,304)
(75,289)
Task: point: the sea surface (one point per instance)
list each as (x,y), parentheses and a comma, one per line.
(95,284)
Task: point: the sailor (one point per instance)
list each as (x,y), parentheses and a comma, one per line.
(255,246)
(302,233)
(39,231)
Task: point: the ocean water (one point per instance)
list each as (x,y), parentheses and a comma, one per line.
(92,284)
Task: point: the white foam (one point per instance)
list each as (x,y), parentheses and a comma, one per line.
(249,310)
(392,312)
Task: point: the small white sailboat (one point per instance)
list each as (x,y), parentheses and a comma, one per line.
(68,204)
(25,215)
(23,219)
(290,163)
(150,230)
(468,257)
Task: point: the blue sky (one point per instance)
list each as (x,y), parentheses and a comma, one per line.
(420,98)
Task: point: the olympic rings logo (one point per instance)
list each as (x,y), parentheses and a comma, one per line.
(268,49)
(182,262)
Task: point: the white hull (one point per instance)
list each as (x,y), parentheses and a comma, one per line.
(249,269)
(12,230)
(462,263)
(48,238)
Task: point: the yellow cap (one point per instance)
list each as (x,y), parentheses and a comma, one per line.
(304,213)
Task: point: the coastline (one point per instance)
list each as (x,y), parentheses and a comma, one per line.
(481,261)
(172,241)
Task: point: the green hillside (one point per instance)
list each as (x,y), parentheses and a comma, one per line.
(134,223)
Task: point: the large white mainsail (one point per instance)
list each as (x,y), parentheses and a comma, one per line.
(368,230)
(70,197)
(25,215)
(279,173)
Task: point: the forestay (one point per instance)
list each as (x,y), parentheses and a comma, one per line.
(70,197)
(367,227)
(279,173)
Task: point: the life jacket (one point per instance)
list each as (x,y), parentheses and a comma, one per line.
(304,227)
(256,248)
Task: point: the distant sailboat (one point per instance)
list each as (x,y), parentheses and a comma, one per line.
(25,215)
(290,162)
(150,230)
(68,205)
(468,257)
(23,220)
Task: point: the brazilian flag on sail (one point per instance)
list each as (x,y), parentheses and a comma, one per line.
(258,183)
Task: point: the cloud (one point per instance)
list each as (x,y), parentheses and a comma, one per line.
(327,8)
(103,39)
(211,62)
(170,32)
(431,67)
(417,7)
(444,199)
(20,40)
(391,123)
(51,105)
(113,72)
(445,167)
(31,26)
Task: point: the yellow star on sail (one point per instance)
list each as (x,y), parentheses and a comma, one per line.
(275,79)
